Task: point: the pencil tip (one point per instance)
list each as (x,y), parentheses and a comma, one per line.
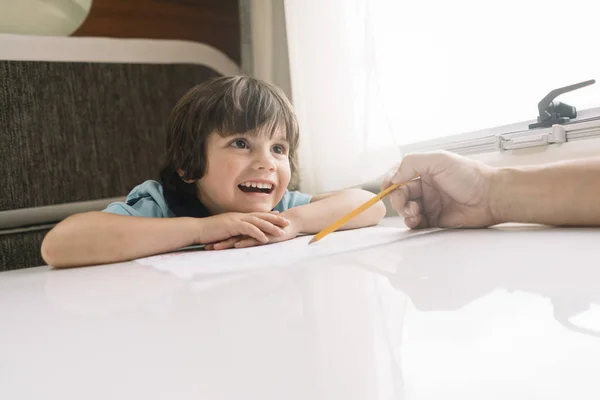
(314,239)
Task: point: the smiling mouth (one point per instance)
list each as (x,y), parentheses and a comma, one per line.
(256,189)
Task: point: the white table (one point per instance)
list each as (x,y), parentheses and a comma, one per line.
(509,313)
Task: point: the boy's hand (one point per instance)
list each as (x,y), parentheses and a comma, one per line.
(257,226)
(289,232)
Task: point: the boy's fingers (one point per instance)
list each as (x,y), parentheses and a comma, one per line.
(248,229)
(247,243)
(274,219)
(226,244)
(278,220)
(266,226)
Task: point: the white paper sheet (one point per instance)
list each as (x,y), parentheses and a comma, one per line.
(190,264)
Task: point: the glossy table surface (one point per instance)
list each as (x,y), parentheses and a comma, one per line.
(505,313)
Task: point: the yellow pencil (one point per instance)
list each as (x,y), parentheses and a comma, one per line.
(342,221)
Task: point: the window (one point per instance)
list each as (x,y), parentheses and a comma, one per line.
(373,79)
(466,65)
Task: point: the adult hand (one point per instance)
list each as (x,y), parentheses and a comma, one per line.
(452,191)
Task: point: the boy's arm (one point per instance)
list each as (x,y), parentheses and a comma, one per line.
(324,210)
(98,237)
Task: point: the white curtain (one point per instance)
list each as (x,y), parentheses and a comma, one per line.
(370,75)
(335,93)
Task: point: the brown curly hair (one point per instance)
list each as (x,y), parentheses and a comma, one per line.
(226,106)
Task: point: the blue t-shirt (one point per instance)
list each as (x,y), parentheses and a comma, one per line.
(147,200)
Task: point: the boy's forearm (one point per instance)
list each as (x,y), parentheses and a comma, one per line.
(566,193)
(100,238)
(316,216)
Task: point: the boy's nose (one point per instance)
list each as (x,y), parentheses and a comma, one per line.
(264,161)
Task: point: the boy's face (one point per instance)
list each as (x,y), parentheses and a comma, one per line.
(245,173)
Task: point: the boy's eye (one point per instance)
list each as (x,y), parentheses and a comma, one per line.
(239,144)
(278,149)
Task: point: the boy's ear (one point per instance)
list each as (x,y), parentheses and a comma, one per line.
(181,173)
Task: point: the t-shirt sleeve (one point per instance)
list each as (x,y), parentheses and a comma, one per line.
(292,199)
(145,200)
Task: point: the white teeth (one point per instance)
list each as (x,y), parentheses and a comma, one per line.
(258,185)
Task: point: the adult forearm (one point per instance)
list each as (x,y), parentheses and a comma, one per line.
(99,238)
(566,193)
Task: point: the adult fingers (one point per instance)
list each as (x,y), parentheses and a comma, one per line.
(420,164)
(413,222)
(412,209)
(403,195)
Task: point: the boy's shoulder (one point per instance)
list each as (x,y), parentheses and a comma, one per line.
(292,199)
(146,188)
(145,200)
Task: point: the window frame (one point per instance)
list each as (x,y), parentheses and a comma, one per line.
(516,137)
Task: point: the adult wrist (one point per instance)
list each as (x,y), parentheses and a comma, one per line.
(497,195)
(515,195)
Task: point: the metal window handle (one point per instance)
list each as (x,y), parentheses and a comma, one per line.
(554,112)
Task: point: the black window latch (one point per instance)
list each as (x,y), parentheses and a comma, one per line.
(554,112)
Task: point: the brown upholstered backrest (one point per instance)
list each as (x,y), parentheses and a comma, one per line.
(73,131)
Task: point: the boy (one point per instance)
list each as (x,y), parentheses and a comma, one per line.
(231,154)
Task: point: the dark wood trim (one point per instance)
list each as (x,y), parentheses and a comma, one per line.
(214,22)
